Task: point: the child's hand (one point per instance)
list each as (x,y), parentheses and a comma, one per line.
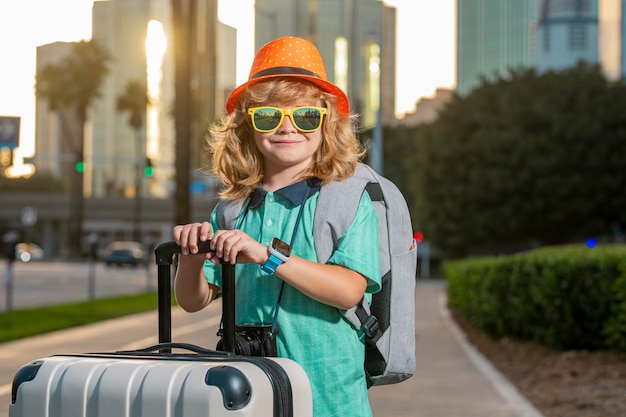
(235,246)
(188,235)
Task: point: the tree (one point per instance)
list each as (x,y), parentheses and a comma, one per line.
(183,17)
(524,160)
(134,100)
(70,87)
(399,146)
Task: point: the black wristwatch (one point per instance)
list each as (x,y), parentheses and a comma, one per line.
(279,253)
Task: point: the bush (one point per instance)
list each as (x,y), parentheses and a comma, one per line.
(615,329)
(567,297)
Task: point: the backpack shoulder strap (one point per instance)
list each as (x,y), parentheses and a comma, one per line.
(227,213)
(336,208)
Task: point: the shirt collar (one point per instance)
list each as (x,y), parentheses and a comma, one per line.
(294,192)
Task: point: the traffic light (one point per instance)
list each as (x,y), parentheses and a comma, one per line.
(148,171)
(80,167)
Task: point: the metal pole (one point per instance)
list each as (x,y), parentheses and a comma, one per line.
(377,157)
(140,164)
(377,144)
(148,278)
(8,279)
(91,280)
(92,241)
(424,256)
(10,240)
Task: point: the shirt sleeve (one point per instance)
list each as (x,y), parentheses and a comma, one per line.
(358,248)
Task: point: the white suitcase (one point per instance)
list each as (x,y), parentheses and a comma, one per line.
(160,385)
(165,380)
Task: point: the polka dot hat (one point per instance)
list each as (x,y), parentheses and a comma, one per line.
(290,56)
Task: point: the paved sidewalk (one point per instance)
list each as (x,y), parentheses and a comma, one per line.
(452,379)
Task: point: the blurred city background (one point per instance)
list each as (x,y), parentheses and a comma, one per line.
(120,117)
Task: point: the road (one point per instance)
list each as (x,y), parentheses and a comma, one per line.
(36,284)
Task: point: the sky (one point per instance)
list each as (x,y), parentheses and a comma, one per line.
(425,49)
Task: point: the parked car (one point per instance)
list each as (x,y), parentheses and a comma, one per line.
(125,253)
(26,252)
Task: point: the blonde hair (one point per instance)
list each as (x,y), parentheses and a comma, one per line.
(238,164)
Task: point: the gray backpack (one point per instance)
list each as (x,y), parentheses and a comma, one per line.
(389,322)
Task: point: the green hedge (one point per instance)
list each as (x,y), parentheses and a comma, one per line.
(567,297)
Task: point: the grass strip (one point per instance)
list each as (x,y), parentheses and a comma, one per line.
(31,322)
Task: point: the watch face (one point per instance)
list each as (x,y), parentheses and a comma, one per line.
(281,247)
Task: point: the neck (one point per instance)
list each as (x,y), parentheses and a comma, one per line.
(273,181)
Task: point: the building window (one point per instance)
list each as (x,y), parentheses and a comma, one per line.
(546,39)
(577,37)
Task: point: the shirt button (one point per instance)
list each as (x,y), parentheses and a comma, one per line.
(269,222)
(270,199)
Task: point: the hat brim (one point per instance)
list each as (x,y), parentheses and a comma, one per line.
(342,102)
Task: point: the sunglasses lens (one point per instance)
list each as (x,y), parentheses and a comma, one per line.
(307,118)
(266,119)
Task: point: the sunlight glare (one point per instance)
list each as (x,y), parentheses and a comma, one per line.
(156,44)
(341,63)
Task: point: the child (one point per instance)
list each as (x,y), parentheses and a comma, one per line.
(288,132)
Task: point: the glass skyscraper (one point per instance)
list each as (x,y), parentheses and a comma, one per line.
(493,36)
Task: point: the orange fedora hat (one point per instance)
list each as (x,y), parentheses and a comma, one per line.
(290,56)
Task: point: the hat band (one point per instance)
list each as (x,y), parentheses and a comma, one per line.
(284,71)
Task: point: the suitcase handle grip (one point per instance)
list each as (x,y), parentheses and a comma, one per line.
(164,254)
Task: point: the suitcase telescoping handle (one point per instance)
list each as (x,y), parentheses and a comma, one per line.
(164,254)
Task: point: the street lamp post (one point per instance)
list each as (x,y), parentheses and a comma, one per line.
(9,239)
(139,172)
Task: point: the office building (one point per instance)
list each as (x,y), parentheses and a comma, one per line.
(356,39)
(493,37)
(497,35)
(611,36)
(138,36)
(427,108)
(567,32)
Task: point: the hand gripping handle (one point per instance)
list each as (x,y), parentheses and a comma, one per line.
(164,254)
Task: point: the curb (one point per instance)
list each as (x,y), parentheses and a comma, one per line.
(500,383)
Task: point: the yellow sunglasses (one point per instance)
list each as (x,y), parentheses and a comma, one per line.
(305,119)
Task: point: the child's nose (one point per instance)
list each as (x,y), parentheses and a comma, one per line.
(287,125)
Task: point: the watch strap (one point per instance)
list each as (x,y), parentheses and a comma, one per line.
(272,263)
